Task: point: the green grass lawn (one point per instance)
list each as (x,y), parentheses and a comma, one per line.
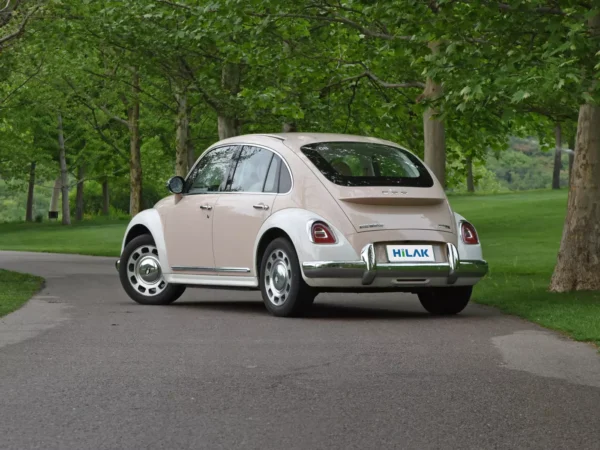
(16,289)
(98,237)
(520,233)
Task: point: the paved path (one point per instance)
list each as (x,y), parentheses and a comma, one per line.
(83,367)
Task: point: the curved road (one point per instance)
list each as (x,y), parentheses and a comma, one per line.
(83,367)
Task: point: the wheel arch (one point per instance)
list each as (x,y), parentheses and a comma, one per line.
(269,236)
(292,224)
(136,231)
(148,222)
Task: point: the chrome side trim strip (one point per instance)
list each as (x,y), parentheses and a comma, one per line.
(232,269)
(212,280)
(211,269)
(192,269)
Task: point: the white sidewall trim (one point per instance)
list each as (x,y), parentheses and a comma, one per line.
(150,219)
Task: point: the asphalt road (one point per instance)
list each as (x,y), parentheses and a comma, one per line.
(83,367)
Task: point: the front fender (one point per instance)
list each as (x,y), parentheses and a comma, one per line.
(471,252)
(150,219)
(294,222)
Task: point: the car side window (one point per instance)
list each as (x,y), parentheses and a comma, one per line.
(211,171)
(251,170)
(285,179)
(272,181)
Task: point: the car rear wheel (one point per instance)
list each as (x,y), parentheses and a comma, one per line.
(446,301)
(283,290)
(141,274)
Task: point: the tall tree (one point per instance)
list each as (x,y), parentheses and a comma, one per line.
(557,157)
(539,48)
(64,180)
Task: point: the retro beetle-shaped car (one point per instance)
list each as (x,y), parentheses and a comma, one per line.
(295,214)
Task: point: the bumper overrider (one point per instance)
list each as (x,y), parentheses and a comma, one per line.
(368,269)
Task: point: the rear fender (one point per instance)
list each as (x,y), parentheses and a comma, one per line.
(294,222)
(472,252)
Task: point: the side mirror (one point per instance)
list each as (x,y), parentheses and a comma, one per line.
(175,185)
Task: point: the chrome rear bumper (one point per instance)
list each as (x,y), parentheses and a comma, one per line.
(367,269)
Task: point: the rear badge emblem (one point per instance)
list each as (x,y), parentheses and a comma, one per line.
(444,226)
(371,225)
(388,192)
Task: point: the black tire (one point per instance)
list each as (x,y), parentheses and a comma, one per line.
(165,294)
(295,300)
(446,301)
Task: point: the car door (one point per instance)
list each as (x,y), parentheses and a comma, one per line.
(189,222)
(243,207)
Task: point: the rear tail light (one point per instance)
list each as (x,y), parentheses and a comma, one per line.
(468,233)
(320,233)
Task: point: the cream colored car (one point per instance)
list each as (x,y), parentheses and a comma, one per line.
(296,214)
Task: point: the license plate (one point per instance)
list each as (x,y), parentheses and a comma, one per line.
(410,253)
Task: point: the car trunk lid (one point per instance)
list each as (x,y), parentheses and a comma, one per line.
(395,208)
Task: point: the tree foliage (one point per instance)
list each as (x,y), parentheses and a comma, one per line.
(144,86)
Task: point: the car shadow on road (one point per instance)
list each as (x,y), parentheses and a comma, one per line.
(318,311)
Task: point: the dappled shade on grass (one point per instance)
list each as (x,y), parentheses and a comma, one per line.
(16,289)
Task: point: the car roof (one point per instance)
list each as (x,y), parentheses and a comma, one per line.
(296,140)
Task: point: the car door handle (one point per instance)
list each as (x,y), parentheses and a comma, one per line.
(206,207)
(261,206)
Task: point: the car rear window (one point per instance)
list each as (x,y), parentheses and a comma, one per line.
(367,164)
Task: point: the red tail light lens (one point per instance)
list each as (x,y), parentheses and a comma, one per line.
(468,233)
(321,234)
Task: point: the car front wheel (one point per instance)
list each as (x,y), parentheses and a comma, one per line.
(141,274)
(283,290)
(446,301)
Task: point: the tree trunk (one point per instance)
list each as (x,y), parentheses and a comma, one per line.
(30,191)
(135,159)
(433,128)
(578,263)
(182,135)
(571,157)
(79,206)
(228,122)
(470,181)
(64,180)
(54,198)
(557,157)
(191,155)
(105,198)
(289,127)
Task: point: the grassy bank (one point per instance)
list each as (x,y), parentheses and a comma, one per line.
(16,289)
(520,233)
(98,237)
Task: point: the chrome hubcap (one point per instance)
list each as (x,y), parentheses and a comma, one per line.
(149,269)
(144,272)
(278,277)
